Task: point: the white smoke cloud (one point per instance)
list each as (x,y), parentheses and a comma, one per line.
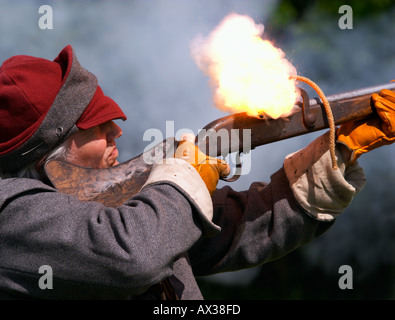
(247,73)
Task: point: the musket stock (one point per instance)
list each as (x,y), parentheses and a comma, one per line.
(110,186)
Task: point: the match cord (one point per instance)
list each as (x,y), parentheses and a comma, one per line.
(329,114)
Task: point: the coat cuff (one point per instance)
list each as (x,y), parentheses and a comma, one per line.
(187,180)
(321,191)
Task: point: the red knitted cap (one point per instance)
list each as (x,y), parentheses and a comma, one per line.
(41,103)
(100,110)
(28,86)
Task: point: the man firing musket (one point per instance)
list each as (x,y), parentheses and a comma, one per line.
(179,225)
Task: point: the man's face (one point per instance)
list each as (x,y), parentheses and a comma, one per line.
(95,147)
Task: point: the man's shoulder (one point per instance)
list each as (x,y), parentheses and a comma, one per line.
(11,187)
(24,183)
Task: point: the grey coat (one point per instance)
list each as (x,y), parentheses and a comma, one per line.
(97,252)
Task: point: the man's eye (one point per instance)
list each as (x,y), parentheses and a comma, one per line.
(91,133)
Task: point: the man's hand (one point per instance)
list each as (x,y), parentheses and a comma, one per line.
(365,135)
(209,168)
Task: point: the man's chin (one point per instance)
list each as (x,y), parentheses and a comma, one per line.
(112,163)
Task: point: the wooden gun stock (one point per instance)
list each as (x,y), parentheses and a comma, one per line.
(113,186)
(110,186)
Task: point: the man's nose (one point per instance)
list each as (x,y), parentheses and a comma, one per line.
(114,131)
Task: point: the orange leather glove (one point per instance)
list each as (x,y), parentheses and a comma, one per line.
(367,134)
(210,169)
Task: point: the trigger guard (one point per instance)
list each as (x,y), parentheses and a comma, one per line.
(237,174)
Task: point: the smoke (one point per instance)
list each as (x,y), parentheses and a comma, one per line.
(234,33)
(247,73)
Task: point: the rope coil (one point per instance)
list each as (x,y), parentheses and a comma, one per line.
(329,114)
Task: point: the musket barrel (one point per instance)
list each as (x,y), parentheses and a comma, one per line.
(347,106)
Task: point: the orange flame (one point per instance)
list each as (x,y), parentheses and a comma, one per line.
(248,73)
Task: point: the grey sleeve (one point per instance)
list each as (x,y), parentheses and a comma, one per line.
(94,251)
(258,225)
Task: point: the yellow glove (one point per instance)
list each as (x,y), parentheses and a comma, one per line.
(367,134)
(210,169)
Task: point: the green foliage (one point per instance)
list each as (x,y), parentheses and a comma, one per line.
(289,11)
(360,8)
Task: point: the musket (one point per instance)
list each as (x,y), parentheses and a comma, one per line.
(113,186)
